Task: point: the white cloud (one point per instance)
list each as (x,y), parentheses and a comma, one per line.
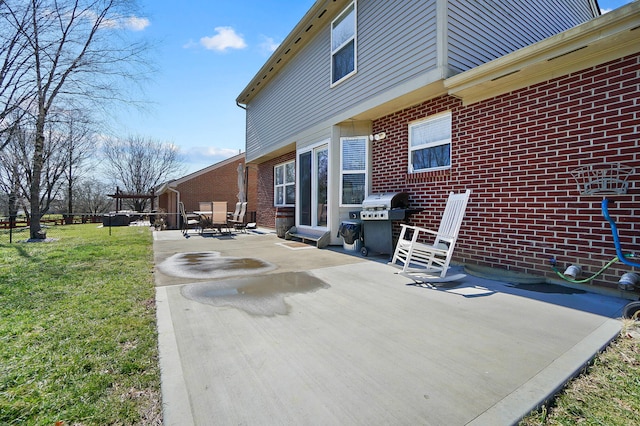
(603,11)
(220,152)
(190,44)
(207,154)
(199,157)
(226,38)
(268,45)
(134,23)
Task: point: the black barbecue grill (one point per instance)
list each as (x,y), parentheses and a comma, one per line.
(378,213)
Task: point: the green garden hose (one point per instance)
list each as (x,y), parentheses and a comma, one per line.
(573,280)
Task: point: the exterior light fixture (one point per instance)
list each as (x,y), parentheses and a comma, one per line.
(377,136)
(573,271)
(628,281)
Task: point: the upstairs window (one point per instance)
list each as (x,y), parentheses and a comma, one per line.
(430,144)
(284,176)
(353,170)
(343,44)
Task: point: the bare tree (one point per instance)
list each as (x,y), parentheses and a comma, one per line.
(16,172)
(77,57)
(53,166)
(91,197)
(76,129)
(12,176)
(15,167)
(138,164)
(16,88)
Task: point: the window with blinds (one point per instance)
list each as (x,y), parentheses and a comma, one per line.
(430,144)
(353,170)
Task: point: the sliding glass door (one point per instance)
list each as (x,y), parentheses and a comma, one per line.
(313,173)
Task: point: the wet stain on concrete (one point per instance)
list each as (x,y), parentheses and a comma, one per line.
(210,264)
(262,295)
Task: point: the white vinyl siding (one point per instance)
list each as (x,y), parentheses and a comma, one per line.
(482,30)
(299,96)
(353,170)
(398,43)
(430,144)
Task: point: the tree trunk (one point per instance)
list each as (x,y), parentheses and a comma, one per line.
(70,192)
(13,209)
(35,229)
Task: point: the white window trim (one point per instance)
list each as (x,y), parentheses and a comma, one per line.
(365,171)
(355,45)
(284,185)
(430,145)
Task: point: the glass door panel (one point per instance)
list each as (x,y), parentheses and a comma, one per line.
(304,191)
(322,169)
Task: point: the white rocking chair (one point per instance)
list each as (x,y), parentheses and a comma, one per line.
(429,262)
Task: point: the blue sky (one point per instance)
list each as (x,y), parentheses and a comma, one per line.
(208,50)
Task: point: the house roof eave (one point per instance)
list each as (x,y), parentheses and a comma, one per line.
(318,16)
(605,38)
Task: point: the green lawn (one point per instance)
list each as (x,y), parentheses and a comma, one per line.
(78,339)
(607,393)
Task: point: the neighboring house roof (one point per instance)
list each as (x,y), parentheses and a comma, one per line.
(174,183)
(613,35)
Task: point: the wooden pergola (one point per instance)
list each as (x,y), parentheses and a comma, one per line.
(119,196)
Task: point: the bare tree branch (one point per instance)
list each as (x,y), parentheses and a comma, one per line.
(139,164)
(63,55)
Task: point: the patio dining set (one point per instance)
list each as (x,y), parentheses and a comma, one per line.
(213,216)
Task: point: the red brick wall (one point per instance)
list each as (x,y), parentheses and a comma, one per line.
(515,152)
(220,184)
(252,193)
(266,212)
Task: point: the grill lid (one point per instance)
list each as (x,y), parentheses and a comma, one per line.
(386,201)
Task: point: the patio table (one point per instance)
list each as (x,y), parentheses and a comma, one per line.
(206,221)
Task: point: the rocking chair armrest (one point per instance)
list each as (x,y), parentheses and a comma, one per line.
(427,231)
(417,229)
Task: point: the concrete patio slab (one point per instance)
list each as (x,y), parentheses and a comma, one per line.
(367,348)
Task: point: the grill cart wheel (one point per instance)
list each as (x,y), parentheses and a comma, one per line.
(632,311)
(364,251)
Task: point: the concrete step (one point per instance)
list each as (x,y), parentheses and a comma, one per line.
(320,238)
